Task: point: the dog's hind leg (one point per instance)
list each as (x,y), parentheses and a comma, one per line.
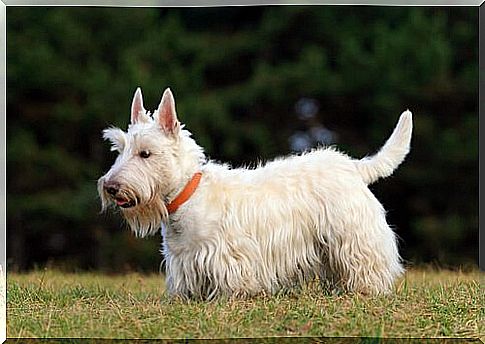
(362,249)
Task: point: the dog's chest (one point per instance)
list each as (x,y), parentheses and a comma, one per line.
(185,228)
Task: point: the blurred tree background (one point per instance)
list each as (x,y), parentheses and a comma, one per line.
(251,83)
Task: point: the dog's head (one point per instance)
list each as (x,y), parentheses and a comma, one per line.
(155,156)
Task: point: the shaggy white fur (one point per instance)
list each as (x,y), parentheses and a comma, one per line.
(247,231)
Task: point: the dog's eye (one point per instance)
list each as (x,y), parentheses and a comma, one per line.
(144,154)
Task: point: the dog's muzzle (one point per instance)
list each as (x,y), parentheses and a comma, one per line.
(113,189)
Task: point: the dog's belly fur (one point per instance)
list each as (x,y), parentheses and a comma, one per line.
(249,231)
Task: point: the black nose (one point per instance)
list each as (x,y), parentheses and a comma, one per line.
(112,188)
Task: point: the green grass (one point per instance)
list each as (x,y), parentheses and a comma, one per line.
(426,304)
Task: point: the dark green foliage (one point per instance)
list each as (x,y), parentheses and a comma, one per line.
(237,74)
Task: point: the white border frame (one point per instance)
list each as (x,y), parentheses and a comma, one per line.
(3,172)
(160,3)
(220,3)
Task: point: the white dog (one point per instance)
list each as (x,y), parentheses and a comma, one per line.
(239,232)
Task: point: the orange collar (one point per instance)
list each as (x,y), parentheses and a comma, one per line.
(185,194)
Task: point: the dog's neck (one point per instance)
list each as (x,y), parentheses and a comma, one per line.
(184,195)
(185,179)
(191,161)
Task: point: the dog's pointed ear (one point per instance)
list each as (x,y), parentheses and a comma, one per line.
(167,116)
(137,108)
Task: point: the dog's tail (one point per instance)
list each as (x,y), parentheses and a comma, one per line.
(391,154)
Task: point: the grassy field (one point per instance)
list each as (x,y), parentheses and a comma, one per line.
(426,304)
